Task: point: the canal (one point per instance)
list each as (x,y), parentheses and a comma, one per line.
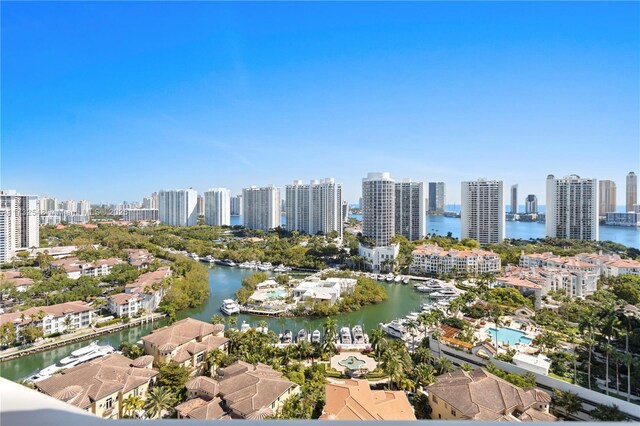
(223,282)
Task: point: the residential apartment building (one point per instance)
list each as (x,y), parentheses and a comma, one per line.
(141,215)
(186,342)
(482,211)
(178,207)
(140,258)
(149,286)
(531,204)
(432,259)
(52,319)
(622,219)
(513,208)
(378,211)
(572,208)
(236,205)
(315,207)
(47,204)
(437,197)
(151,202)
(607,197)
(19,224)
(76,268)
(201,205)
(409,210)
(124,304)
(261,207)
(632,191)
(100,386)
(217,207)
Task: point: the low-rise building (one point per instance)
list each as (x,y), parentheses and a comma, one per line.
(615,268)
(380,258)
(140,258)
(329,290)
(623,219)
(354,400)
(52,319)
(149,286)
(124,304)
(203,402)
(433,259)
(186,342)
(76,268)
(101,385)
(479,395)
(14,280)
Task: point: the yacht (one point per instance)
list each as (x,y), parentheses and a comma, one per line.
(265,266)
(413,316)
(405,280)
(194,256)
(87,353)
(358,335)
(345,336)
(315,336)
(389,278)
(230,307)
(287,336)
(245,327)
(443,294)
(281,268)
(437,287)
(395,328)
(302,335)
(424,289)
(226,262)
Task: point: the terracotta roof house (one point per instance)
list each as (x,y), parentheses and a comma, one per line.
(253,392)
(76,268)
(202,403)
(53,318)
(148,287)
(16,280)
(354,400)
(186,342)
(100,386)
(122,304)
(479,395)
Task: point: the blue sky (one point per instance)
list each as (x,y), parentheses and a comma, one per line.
(111,101)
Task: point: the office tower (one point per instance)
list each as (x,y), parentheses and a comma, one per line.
(572,208)
(514,199)
(19,224)
(378,211)
(482,211)
(150,202)
(201,205)
(47,204)
(261,207)
(607,197)
(236,205)
(217,209)
(437,197)
(178,207)
(531,204)
(632,191)
(314,208)
(409,210)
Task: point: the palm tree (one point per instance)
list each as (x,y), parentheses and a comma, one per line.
(436,335)
(130,404)
(443,365)
(232,321)
(588,325)
(412,327)
(68,324)
(378,341)
(496,318)
(606,349)
(424,375)
(628,360)
(263,324)
(609,328)
(330,329)
(217,319)
(159,400)
(214,358)
(568,401)
(391,364)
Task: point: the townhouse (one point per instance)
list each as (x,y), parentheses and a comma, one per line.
(52,319)
(433,259)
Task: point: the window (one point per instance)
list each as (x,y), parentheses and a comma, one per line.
(435,400)
(108,404)
(453,412)
(200,358)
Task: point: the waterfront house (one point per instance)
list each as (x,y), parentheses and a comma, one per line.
(329,290)
(99,386)
(124,304)
(13,279)
(140,258)
(186,342)
(354,400)
(149,287)
(52,319)
(76,268)
(203,402)
(433,259)
(479,395)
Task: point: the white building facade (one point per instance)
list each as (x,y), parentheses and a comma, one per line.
(178,207)
(19,224)
(410,210)
(482,211)
(606,197)
(261,207)
(572,208)
(217,207)
(314,208)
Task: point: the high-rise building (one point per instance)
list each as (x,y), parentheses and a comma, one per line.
(140,215)
(217,207)
(378,210)
(261,207)
(314,208)
(572,208)
(150,202)
(178,207)
(345,210)
(409,210)
(201,205)
(437,197)
(607,197)
(482,211)
(19,224)
(236,205)
(83,208)
(531,204)
(632,191)
(513,208)
(47,204)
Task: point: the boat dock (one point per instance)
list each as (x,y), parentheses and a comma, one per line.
(259,312)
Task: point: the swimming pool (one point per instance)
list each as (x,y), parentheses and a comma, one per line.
(509,336)
(352,363)
(276,294)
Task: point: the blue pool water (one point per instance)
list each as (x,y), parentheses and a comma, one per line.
(509,336)
(275,294)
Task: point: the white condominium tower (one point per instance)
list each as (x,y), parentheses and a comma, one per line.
(482,211)
(572,208)
(436,197)
(261,207)
(513,207)
(314,208)
(236,205)
(409,210)
(632,191)
(378,210)
(217,209)
(178,207)
(19,224)
(151,202)
(607,197)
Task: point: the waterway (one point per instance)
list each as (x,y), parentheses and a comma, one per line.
(223,282)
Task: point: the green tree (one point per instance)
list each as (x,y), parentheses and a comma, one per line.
(131,350)
(130,404)
(160,399)
(569,402)
(172,376)
(31,333)
(7,334)
(608,413)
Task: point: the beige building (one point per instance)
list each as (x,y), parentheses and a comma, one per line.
(149,287)
(52,319)
(479,395)
(186,342)
(100,386)
(354,400)
(76,268)
(203,402)
(432,259)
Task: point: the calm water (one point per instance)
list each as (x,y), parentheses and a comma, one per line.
(223,282)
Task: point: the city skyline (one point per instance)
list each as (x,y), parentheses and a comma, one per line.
(237,85)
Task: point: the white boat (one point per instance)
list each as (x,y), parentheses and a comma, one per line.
(245,327)
(264,330)
(77,357)
(265,266)
(302,335)
(230,307)
(444,294)
(286,337)
(358,335)
(395,328)
(424,289)
(413,316)
(397,279)
(315,336)
(281,268)
(194,256)
(405,280)
(345,336)
(389,278)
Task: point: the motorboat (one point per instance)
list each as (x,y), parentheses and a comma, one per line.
(315,336)
(287,336)
(358,335)
(226,262)
(424,289)
(413,316)
(302,335)
(395,328)
(264,329)
(265,266)
(345,336)
(194,256)
(443,294)
(245,327)
(389,278)
(77,357)
(281,268)
(230,307)
(405,280)
(397,279)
